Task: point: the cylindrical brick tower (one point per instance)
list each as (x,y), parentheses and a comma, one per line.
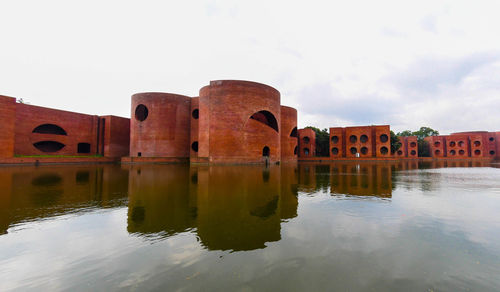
(239,122)
(289,134)
(160,125)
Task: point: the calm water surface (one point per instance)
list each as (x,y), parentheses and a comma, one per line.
(407,227)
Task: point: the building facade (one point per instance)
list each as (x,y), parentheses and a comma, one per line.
(30,130)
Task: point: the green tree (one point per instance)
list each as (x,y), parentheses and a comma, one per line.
(422,133)
(322,141)
(405,133)
(395,143)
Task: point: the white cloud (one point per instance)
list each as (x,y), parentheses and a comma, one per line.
(340,63)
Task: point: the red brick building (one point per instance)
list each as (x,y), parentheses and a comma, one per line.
(229,122)
(32,131)
(307,143)
(479,144)
(409,147)
(360,142)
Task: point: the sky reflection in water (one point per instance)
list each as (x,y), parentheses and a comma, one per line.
(302,227)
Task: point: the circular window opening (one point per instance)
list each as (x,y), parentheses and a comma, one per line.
(400,152)
(364,150)
(437,143)
(413,152)
(295,150)
(460,143)
(437,152)
(194,146)
(492,152)
(384,150)
(195,114)
(477,152)
(141,112)
(452,144)
(461,152)
(335,150)
(491,139)
(453,152)
(413,144)
(477,143)
(363,139)
(384,138)
(353,139)
(306,140)
(335,139)
(354,150)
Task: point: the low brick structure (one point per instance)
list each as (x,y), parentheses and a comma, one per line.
(30,130)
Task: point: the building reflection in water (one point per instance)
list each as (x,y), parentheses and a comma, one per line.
(352,179)
(229,207)
(33,193)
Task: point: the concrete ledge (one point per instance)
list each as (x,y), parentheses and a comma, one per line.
(56,160)
(129,160)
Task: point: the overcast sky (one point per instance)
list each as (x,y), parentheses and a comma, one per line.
(340,63)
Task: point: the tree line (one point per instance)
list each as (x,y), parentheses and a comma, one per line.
(323,140)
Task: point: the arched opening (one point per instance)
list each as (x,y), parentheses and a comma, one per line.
(294,133)
(295,150)
(49,146)
(195,114)
(194,146)
(306,151)
(477,143)
(50,129)
(354,150)
(335,139)
(477,152)
(266,118)
(413,144)
(452,144)
(306,140)
(335,151)
(384,150)
(363,139)
(83,148)
(353,139)
(266,151)
(384,138)
(364,150)
(141,113)
(413,152)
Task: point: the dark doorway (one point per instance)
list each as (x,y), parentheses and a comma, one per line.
(266,151)
(83,148)
(194,146)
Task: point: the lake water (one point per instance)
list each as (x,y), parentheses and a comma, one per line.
(314,227)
